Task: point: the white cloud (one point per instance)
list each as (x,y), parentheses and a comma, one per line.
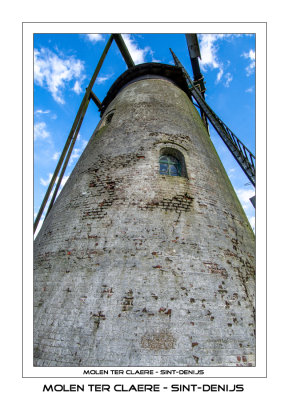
(94,37)
(231,172)
(209,53)
(250,90)
(54,71)
(39,111)
(252,223)
(209,50)
(220,74)
(47,181)
(77,88)
(228,78)
(153,58)
(40,131)
(56,156)
(64,180)
(102,79)
(138,55)
(76,153)
(251,54)
(42,113)
(250,69)
(244,196)
(39,224)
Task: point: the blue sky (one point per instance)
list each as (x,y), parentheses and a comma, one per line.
(64,64)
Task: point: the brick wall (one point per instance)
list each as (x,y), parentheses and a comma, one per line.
(136,268)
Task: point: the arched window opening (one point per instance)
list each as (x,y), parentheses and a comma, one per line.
(172,162)
(108,118)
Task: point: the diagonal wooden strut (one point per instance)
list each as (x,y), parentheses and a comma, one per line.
(68,147)
(123,49)
(195,54)
(80,114)
(67,158)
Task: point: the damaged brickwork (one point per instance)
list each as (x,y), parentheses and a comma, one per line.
(136,268)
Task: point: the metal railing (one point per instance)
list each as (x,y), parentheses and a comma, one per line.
(242,154)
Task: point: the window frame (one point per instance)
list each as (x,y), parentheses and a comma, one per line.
(178,156)
(170,161)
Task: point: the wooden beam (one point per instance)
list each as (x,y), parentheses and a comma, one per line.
(72,131)
(123,49)
(95,99)
(67,159)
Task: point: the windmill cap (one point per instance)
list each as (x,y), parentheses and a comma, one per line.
(145,71)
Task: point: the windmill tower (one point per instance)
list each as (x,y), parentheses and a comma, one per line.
(146,258)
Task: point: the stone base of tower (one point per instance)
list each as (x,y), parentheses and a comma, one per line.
(165,305)
(158,308)
(134,268)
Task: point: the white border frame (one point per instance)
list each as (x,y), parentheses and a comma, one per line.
(261,91)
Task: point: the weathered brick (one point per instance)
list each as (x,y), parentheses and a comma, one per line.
(137,268)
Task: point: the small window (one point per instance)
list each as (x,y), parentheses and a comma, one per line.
(172,162)
(109,118)
(169,165)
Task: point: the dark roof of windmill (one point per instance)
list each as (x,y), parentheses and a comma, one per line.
(145,71)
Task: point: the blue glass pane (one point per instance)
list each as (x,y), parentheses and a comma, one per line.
(169,165)
(173,170)
(164,169)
